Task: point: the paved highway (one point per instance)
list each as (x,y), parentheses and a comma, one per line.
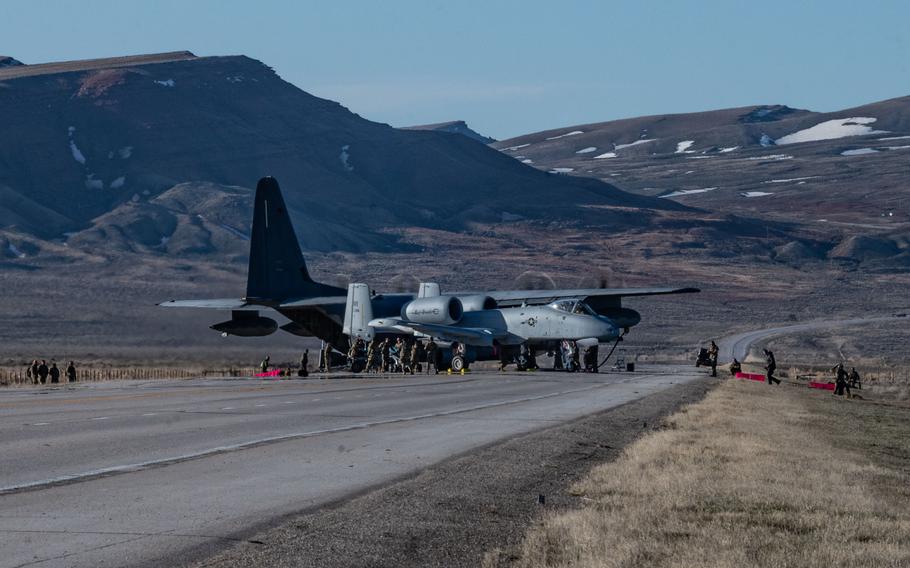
(121,474)
(738,345)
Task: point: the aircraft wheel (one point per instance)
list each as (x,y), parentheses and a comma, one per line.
(458,363)
(356,367)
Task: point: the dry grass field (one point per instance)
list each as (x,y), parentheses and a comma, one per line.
(751,476)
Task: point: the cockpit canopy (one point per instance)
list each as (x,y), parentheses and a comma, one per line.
(573,307)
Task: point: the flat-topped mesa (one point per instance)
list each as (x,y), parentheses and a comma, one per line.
(16,69)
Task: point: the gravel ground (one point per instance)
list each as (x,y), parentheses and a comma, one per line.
(452,513)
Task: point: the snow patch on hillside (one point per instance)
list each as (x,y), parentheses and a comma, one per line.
(894,138)
(234,231)
(513,148)
(772,157)
(687,192)
(727,150)
(636,143)
(859,152)
(756,193)
(92,183)
(166,83)
(587,150)
(561,170)
(766,140)
(125,152)
(789,180)
(681,147)
(344,158)
(833,129)
(527,161)
(118,183)
(14,251)
(606,155)
(573,133)
(74,150)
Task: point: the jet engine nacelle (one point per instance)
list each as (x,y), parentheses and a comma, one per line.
(441,310)
(477,302)
(246,324)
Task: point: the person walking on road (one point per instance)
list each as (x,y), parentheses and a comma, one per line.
(771,366)
(43,372)
(71,372)
(55,373)
(327,357)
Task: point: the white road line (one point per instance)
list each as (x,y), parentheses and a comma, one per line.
(228,408)
(150,414)
(129,468)
(289,402)
(259,405)
(101,418)
(41,424)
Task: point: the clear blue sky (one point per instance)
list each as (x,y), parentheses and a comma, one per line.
(508,67)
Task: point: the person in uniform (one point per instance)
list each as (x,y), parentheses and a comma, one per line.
(327,357)
(43,372)
(71,372)
(771,366)
(840,380)
(54,373)
(386,352)
(854,380)
(713,352)
(405,355)
(431,356)
(304,364)
(415,355)
(264,366)
(735,367)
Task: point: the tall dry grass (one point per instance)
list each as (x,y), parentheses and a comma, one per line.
(751,476)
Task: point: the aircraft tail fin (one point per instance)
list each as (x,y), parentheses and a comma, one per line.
(277,271)
(428,290)
(358,312)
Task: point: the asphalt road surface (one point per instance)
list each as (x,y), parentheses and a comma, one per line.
(738,345)
(121,474)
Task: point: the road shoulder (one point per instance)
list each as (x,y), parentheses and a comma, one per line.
(456,512)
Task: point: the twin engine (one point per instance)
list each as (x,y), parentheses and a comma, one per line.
(440,310)
(477,302)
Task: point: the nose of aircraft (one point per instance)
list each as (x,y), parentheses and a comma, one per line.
(607,330)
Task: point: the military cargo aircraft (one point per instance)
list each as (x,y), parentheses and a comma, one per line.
(278,280)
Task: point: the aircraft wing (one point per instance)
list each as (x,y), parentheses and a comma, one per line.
(510,297)
(219,304)
(469,335)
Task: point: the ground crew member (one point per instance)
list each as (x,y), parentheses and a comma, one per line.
(71,372)
(854,378)
(840,380)
(405,355)
(431,356)
(34,370)
(770,366)
(371,355)
(304,364)
(386,352)
(43,371)
(735,367)
(415,354)
(55,373)
(713,351)
(327,357)
(264,366)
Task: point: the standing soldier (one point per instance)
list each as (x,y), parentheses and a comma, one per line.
(327,357)
(55,373)
(415,355)
(71,372)
(34,370)
(770,366)
(853,380)
(264,366)
(371,355)
(713,352)
(840,380)
(431,356)
(304,364)
(405,355)
(386,352)
(43,371)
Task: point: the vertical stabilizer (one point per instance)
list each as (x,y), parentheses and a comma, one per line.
(358,312)
(428,290)
(277,271)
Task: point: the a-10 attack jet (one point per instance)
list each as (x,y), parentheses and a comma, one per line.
(278,279)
